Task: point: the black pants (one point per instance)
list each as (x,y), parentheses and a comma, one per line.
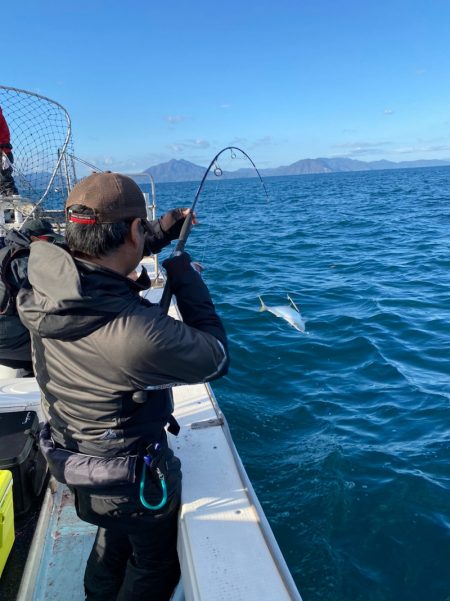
(16,364)
(134,557)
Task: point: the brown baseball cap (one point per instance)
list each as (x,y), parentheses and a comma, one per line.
(112,196)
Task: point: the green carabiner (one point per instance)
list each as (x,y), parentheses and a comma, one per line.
(163,486)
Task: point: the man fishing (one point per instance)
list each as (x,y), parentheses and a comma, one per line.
(7,184)
(105,360)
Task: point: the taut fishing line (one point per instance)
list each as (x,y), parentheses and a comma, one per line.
(187,226)
(212,222)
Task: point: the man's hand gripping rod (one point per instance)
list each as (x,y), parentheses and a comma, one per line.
(164,303)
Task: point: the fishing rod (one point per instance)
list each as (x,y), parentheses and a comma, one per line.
(187,225)
(94,168)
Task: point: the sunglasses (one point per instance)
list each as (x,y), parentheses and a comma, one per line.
(145,224)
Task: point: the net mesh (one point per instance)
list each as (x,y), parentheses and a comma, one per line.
(40,128)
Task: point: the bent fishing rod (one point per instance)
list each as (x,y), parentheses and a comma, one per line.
(187,225)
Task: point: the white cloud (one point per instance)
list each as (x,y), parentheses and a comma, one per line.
(174,119)
(134,164)
(388,112)
(423,149)
(189,145)
(264,142)
(361,148)
(238,142)
(360,145)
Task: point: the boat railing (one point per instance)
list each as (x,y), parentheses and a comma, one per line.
(150,200)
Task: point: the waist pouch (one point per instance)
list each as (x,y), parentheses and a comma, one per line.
(88,471)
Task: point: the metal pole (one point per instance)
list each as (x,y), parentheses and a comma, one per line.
(66,169)
(153,208)
(151,213)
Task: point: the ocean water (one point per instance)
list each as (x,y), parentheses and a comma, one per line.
(344,430)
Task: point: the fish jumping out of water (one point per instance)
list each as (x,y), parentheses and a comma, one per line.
(290,313)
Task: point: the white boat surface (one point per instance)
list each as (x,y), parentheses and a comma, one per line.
(226,547)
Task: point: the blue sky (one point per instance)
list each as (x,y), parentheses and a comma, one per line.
(147,81)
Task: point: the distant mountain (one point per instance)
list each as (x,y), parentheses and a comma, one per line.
(183,171)
(176,171)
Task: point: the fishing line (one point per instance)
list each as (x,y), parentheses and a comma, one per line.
(212,221)
(225,210)
(187,225)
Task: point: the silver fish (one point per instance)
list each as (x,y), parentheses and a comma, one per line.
(290,313)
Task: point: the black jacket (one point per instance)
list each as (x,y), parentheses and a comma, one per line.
(96,342)
(15,346)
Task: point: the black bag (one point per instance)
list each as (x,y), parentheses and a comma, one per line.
(77,469)
(20,453)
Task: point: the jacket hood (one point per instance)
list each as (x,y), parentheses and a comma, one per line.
(66,298)
(17,238)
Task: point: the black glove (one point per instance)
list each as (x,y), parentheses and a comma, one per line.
(172,222)
(177,266)
(179,270)
(162,231)
(193,298)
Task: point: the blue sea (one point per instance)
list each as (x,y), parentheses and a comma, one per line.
(344,430)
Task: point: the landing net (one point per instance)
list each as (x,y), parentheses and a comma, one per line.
(41,137)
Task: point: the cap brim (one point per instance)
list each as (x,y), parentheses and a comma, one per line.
(52,236)
(58,237)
